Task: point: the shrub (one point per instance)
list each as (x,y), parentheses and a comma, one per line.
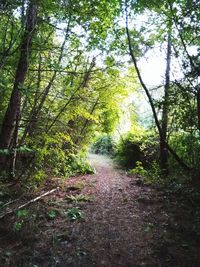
(139,169)
(104,145)
(128,152)
(76,164)
(135,148)
(56,156)
(187,146)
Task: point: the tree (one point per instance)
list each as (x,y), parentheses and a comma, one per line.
(9,130)
(160,131)
(165,108)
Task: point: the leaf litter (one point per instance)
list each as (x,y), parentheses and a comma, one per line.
(104,219)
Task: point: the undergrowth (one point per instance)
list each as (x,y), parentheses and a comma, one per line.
(177,187)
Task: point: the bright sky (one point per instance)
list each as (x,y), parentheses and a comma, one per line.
(152,68)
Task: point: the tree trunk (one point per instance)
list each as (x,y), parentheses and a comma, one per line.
(14,150)
(198,106)
(9,130)
(164,125)
(13,109)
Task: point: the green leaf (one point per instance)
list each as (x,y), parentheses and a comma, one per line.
(22,213)
(17,226)
(74,214)
(52,214)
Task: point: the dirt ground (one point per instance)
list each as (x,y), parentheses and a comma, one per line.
(118,221)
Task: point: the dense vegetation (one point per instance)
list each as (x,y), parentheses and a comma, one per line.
(66,70)
(73,80)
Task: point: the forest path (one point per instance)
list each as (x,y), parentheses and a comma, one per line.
(125,223)
(116,231)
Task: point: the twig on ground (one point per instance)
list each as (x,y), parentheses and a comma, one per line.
(29,202)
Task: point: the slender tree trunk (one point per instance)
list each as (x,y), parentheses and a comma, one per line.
(13,109)
(14,148)
(198,106)
(33,110)
(164,125)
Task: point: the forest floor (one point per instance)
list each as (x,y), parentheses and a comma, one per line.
(104,219)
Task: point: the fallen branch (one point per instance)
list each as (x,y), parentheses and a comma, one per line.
(10,202)
(29,202)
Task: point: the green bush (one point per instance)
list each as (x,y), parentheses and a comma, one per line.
(128,152)
(56,156)
(104,145)
(135,148)
(139,169)
(76,164)
(187,146)
(50,155)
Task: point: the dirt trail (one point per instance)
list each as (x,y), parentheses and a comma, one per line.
(126,224)
(115,227)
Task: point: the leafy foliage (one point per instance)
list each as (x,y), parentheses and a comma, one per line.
(52,214)
(135,147)
(78,78)
(65,97)
(188,145)
(74,214)
(104,145)
(139,170)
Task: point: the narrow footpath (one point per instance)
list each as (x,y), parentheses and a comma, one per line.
(122,223)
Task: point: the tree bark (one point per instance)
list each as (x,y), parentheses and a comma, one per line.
(198,106)
(164,123)
(14,150)
(13,109)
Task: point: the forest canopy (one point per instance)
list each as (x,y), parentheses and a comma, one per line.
(68,72)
